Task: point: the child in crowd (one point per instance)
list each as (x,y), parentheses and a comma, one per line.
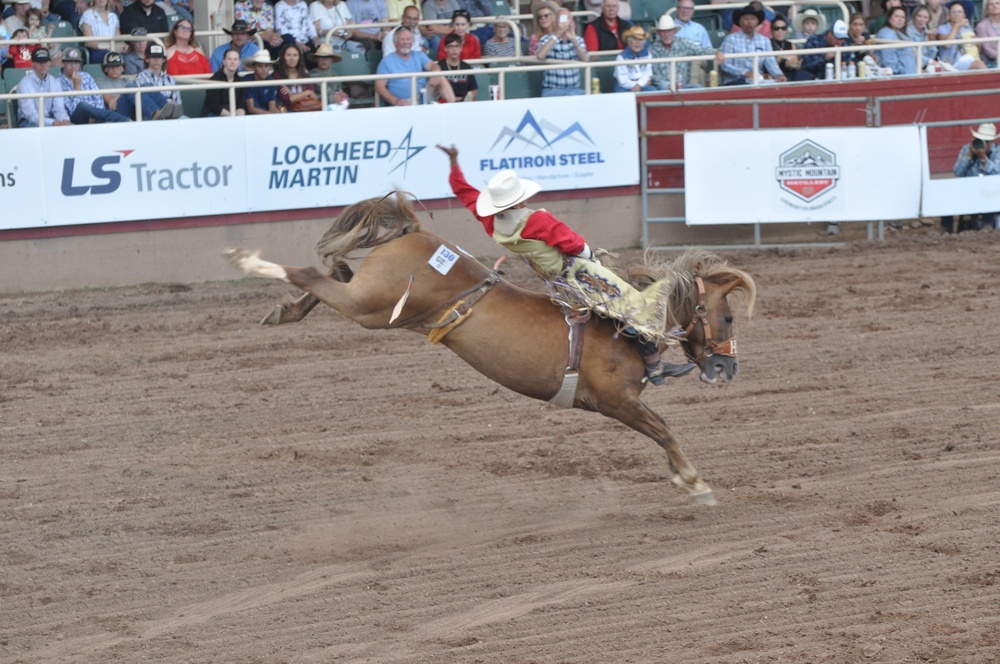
(35,23)
(20,54)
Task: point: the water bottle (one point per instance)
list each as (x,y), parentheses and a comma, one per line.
(713,79)
(862,73)
(829,71)
(852,70)
(595,86)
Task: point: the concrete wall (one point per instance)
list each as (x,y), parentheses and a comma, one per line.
(192,255)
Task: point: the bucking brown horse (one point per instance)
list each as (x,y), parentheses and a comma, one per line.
(415,280)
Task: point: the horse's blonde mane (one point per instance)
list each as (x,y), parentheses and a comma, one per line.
(369,223)
(682,270)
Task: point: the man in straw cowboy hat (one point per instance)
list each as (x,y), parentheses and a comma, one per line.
(562,257)
(672,45)
(261,100)
(324,57)
(978,157)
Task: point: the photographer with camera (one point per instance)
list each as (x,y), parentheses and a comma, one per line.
(976,158)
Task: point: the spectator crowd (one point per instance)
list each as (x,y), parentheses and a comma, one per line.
(294,41)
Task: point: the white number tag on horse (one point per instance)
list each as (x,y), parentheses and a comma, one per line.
(443,259)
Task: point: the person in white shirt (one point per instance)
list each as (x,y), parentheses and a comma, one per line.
(54,112)
(410,18)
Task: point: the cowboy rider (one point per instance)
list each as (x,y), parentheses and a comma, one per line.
(554,250)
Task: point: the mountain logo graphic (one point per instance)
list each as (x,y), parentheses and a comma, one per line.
(540,135)
(808,171)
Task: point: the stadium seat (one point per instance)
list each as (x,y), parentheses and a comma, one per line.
(483,82)
(606,75)
(374,56)
(502,8)
(356,64)
(12,77)
(710,22)
(66,29)
(832,14)
(193,101)
(654,9)
(717,36)
(172,20)
(94,70)
(519,85)
(4,107)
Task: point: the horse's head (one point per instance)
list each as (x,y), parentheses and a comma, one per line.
(707,317)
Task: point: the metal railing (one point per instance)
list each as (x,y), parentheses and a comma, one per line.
(587,70)
(873,118)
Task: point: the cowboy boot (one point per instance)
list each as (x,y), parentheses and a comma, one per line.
(656,369)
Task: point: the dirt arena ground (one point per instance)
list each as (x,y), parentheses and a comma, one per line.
(178,484)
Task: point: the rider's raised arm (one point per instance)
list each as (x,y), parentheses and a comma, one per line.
(465,192)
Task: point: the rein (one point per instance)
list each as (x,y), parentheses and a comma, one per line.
(726,348)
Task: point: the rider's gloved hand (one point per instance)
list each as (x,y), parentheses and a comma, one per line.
(588,254)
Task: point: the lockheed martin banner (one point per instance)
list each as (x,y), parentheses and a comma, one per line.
(100,173)
(789,175)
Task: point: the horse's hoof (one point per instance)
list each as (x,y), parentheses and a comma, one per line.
(274,318)
(704,498)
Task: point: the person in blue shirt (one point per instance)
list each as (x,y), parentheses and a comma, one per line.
(978,157)
(740,71)
(899,60)
(397,91)
(261,100)
(54,112)
(690,29)
(240,35)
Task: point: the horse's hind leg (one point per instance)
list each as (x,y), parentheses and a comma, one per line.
(640,417)
(296,310)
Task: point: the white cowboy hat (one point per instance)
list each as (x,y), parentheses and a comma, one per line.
(813,14)
(986,132)
(666,22)
(504,191)
(258,58)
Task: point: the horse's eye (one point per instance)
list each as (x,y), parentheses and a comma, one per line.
(729,320)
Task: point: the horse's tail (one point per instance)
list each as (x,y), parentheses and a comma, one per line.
(369,223)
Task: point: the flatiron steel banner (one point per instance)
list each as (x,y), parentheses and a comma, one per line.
(155,170)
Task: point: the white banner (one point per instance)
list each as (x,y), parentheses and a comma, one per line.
(794,175)
(22,189)
(101,173)
(955,196)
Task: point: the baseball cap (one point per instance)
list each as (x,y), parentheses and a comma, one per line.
(113,59)
(155,51)
(40,55)
(139,32)
(840,29)
(72,54)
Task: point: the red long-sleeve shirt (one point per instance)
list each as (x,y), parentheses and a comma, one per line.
(540,225)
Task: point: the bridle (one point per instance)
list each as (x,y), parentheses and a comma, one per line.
(726,347)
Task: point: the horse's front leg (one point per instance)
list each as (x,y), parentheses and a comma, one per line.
(643,419)
(296,310)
